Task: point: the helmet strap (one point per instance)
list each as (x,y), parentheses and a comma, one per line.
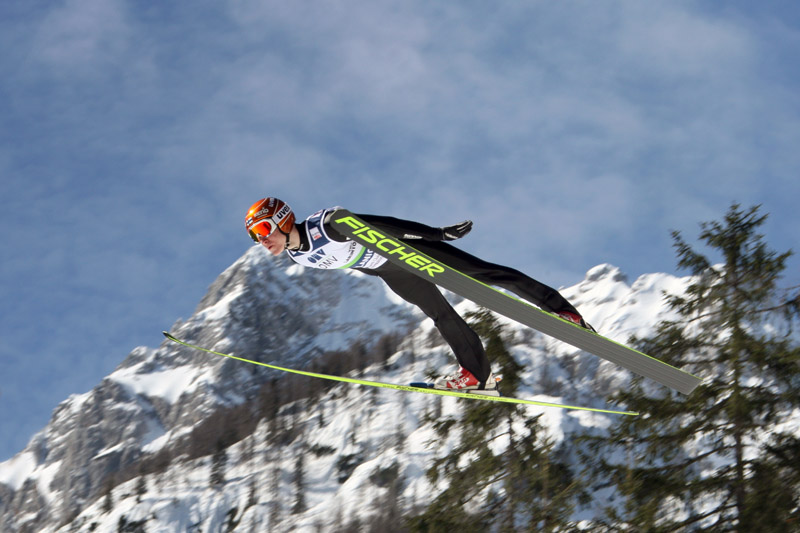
(288,236)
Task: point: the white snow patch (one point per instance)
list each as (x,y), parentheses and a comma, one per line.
(16,470)
(221,309)
(295,270)
(167,384)
(110,449)
(154,442)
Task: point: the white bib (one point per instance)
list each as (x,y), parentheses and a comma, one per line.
(326,253)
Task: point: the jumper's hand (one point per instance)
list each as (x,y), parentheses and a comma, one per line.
(456,231)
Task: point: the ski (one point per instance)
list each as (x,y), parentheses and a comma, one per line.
(407,257)
(394,386)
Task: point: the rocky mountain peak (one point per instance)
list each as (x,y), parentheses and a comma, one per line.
(166,411)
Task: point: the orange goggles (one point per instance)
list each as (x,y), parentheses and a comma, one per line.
(262,230)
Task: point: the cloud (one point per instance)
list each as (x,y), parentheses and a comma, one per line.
(82,36)
(454,97)
(571,133)
(622,118)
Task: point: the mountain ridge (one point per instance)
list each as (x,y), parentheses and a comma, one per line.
(274,311)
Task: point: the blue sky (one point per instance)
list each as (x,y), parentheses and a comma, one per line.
(136,134)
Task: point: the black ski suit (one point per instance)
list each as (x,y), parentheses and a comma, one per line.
(464,342)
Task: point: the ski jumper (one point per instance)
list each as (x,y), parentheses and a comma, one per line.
(324,247)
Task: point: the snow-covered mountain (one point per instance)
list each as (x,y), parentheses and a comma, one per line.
(168,441)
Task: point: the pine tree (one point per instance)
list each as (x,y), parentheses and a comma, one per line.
(299,484)
(275,507)
(219,462)
(711,461)
(387,500)
(141,487)
(252,494)
(108,498)
(491,487)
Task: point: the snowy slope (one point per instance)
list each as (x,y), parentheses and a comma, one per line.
(348,442)
(261,306)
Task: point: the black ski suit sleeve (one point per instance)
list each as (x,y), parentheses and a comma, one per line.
(396,227)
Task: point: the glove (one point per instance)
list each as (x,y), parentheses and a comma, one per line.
(456,231)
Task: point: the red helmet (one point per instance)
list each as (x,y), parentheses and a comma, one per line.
(267,215)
